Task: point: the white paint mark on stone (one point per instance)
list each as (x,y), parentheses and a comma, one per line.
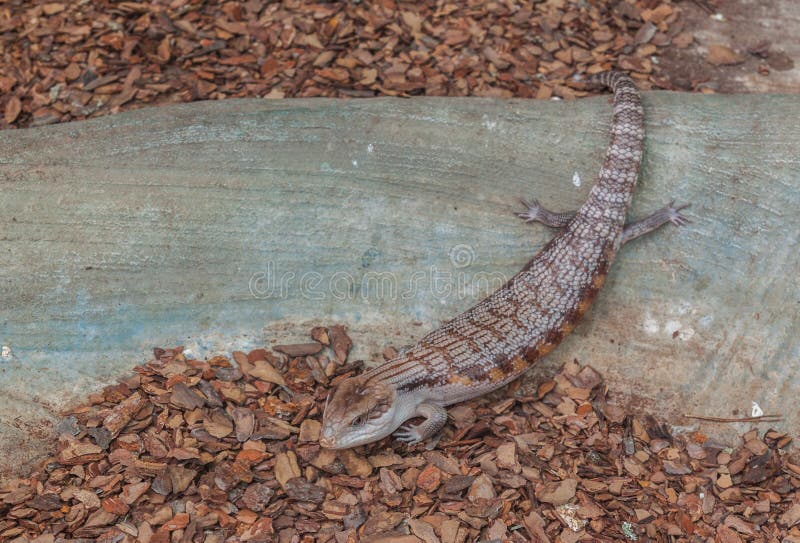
(756,410)
(370,148)
(670,327)
(576,179)
(650,325)
(6,353)
(678,330)
(355,163)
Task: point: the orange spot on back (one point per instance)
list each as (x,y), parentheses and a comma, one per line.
(584,305)
(519,364)
(459,380)
(567,327)
(599,280)
(545,347)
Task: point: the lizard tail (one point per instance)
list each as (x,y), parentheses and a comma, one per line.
(608,79)
(611,195)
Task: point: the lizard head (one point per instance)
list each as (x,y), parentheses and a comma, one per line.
(358,412)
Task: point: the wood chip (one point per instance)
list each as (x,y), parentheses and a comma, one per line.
(198,450)
(299,349)
(557,493)
(722,55)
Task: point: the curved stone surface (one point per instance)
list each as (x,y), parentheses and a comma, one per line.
(236,223)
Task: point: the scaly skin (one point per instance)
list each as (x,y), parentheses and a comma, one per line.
(501,337)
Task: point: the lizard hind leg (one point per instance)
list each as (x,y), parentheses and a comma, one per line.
(435,419)
(535,212)
(669,213)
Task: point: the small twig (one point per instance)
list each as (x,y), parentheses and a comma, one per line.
(216,46)
(460,443)
(704,5)
(761,418)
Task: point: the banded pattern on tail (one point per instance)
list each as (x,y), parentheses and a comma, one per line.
(497,339)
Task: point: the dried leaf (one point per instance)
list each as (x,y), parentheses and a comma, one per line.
(722,55)
(13,109)
(263,370)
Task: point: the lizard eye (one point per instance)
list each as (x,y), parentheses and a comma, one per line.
(358,421)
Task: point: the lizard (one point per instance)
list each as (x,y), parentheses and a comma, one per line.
(499,338)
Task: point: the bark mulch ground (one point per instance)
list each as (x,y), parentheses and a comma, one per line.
(227,449)
(72,60)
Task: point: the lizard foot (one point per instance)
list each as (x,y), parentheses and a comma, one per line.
(536,212)
(435,418)
(674,214)
(408,434)
(532,211)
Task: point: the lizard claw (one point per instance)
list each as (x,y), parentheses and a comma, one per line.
(675,215)
(408,434)
(532,210)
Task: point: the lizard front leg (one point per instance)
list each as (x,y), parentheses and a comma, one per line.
(435,419)
(535,212)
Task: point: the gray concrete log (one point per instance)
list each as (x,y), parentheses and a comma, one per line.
(230,224)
